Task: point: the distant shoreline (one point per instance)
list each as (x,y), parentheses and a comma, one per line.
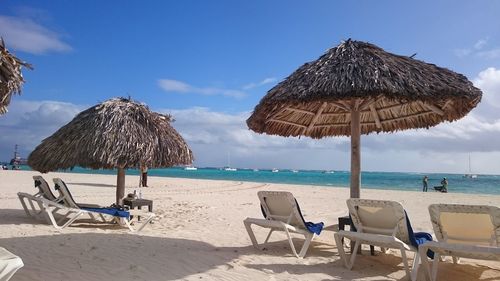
(484,184)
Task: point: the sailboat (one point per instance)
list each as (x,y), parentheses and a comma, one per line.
(470,175)
(228,167)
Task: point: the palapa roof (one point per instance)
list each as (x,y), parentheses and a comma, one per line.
(392,92)
(11,78)
(116,133)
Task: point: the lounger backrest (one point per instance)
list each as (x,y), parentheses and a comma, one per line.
(65,193)
(379,217)
(281,206)
(466,224)
(44,188)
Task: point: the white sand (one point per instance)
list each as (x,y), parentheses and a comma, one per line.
(199,234)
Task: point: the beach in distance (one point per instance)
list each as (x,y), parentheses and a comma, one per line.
(199,233)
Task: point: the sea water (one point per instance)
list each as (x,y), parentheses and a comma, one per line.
(483,184)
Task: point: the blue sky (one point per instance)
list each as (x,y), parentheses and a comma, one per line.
(209,62)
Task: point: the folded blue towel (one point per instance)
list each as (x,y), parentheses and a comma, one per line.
(418,238)
(110,211)
(315,227)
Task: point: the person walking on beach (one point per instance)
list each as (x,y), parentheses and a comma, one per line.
(425,182)
(444,184)
(144,176)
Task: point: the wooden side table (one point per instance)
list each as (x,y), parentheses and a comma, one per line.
(138,203)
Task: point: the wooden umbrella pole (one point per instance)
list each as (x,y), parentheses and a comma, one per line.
(355,154)
(120,186)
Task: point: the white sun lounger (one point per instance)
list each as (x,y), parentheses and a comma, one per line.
(466,231)
(69,215)
(69,211)
(282,214)
(44,191)
(379,223)
(9,264)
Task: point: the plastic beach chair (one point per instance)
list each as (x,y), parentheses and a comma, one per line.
(282,213)
(384,224)
(43,192)
(9,264)
(69,211)
(467,231)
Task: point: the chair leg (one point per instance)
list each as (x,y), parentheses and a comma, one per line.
(307,242)
(405,262)
(357,245)
(248,227)
(435,266)
(290,241)
(340,247)
(425,263)
(268,236)
(415,266)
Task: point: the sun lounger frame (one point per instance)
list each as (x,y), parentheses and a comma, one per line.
(292,223)
(395,238)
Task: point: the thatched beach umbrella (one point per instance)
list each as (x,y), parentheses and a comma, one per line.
(11,78)
(118,133)
(358,88)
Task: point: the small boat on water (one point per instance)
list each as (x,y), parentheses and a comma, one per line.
(469,175)
(294,171)
(255,170)
(328,172)
(190,168)
(228,167)
(275,170)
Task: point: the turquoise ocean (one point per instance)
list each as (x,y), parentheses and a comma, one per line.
(483,184)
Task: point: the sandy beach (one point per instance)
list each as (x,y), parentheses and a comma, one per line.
(199,234)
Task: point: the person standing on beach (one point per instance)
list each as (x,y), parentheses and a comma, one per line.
(144,176)
(444,183)
(425,181)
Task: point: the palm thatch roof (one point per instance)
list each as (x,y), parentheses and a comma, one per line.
(11,78)
(391,92)
(118,133)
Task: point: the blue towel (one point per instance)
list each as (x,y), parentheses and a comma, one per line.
(315,227)
(418,238)
(110,211)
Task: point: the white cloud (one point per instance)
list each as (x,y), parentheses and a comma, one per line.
(170,85)
(490,54)
(212,135)
(488,81)
(462,52)
(174,86)
(258,84)
(28,122)
(480,44)
(478,50)
(26,35)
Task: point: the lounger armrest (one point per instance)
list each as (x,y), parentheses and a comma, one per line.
(274,224)
(43,200)
(486,252)
(374,239)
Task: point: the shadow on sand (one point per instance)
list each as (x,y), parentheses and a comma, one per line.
(106,255)
(94,256)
